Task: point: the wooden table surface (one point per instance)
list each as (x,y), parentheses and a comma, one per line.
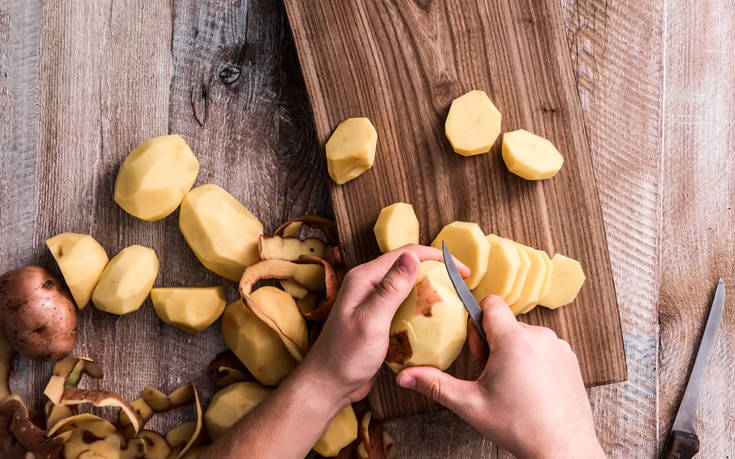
(83,82)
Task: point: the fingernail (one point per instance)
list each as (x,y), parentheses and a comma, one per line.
(407,263)
(407,381)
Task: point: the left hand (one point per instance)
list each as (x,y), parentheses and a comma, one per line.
(354,341)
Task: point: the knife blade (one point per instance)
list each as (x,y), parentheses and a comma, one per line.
(469,302)
(682,442)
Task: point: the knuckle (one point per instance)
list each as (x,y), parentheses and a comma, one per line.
(436,391)
(389,287)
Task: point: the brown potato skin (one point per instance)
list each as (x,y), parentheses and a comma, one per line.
(37,314)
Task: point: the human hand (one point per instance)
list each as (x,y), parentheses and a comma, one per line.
(354,341)
(530,398)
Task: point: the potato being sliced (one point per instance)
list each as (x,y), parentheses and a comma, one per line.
(396,226)
(126,280)
(191,309)
(81,260)
(566,281)
(544,285)
(468,244)
(520,279)
(534,280)
(530,156)
(341,431)
(502,269)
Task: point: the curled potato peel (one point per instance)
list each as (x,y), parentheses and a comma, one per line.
(100,398)
(67,373)
(279,311)
(327,226)
(308,275)
(289,248)
(19,436)
(7,353)
(331,282)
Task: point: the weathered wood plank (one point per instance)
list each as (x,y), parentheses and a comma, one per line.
(698,245)
(617,51)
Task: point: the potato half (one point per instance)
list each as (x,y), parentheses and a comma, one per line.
(81,260)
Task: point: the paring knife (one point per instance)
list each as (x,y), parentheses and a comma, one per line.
(682,442)
(469,302)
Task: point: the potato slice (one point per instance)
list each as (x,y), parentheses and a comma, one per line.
(191,309)
(351,149)
(396,226)
(530,156)
(155,176)
(278,310)
(430,326)
(126,280)
(502,269)
(231,404)
(544,285)
(566,281)
(473,124)
(341,431)
(81,260)
(534,280)
(520,279)
(468,244)
(257,345)
(221,232)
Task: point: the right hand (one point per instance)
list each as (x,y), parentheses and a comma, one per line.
(530,399)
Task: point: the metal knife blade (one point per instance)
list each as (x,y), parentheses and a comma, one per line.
(469,302)
(687,414)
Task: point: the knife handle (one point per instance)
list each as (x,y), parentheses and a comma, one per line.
(680,445)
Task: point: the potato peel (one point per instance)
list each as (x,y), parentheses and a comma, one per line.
(197,428)
(307,275)
(331,282)
(145,412)
(373,441)
(156,446)
(19,436)
(289,248)
(7,353)
(327,226)
(226,369)
(293,333)
(159,401)
(67,373)
(294,289)
(100,398)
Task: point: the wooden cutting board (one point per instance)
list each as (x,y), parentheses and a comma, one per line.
(400,63)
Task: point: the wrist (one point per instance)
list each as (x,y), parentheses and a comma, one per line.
(314,385)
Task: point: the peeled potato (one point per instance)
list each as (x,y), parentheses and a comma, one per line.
(221,232)
(155,176)
(520,279)
(351,149)
(530,156)
(502,269)
(81,260)
(126,280)
(468,244)
(396,226)
(534,280)
(430,326)
(257,346)
(191,309)
(566,281)
(341,431)
(231,404)
(473,124)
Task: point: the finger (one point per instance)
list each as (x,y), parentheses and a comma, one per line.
(478,348)
(390,292)
(497,319)
(444,389)
(380,265)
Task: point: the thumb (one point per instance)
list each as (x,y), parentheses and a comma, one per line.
(393,288)
(444,389)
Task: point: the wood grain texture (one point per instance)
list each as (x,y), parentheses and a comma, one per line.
(698,202)
(401,67)
(617,53)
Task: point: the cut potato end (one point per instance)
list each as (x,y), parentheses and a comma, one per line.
(256,345)
(473,124)
(126,280)
(502,269)
(530,156)
(81,260)
(566,281)
(548,271)
(231,404)
(221,232)
(396,226)
(341,431)
(191,309)
(534,280)
(468,244)
(351,149)
(155,176)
